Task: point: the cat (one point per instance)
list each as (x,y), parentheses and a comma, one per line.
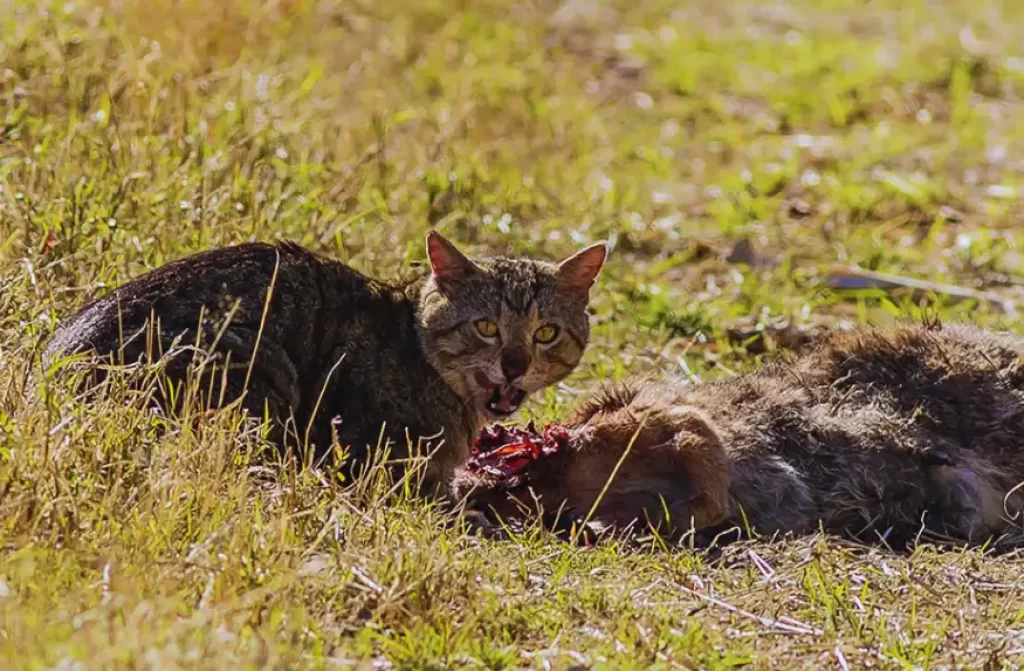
(877,434)
(340,355)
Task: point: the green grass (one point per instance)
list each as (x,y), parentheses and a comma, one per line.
(886,133)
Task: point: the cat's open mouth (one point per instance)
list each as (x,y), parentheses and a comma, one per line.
(505,398)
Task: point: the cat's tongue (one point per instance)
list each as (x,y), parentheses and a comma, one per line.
(506,399)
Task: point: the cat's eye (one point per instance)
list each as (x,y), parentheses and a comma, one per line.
(546,334)
(486,328)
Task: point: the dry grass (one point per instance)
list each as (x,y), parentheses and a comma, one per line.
(794,134)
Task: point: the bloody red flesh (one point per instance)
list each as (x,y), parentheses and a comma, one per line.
(505,452)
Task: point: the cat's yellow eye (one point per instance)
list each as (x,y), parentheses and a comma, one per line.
(546,334)
(486,328)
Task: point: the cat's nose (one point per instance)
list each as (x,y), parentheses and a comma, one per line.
(514,364)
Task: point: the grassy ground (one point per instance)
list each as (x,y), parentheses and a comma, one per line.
(733,151)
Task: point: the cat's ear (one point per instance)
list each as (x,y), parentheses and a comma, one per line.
(579,271)
(446,261)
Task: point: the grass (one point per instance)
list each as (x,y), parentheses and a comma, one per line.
(785,136)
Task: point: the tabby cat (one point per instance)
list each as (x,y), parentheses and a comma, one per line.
(334,354)
(876,434)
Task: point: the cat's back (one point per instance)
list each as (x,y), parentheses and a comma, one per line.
(233,279)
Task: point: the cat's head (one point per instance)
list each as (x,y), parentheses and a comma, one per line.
(499,329)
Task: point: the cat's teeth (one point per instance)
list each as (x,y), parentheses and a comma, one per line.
(505,400)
